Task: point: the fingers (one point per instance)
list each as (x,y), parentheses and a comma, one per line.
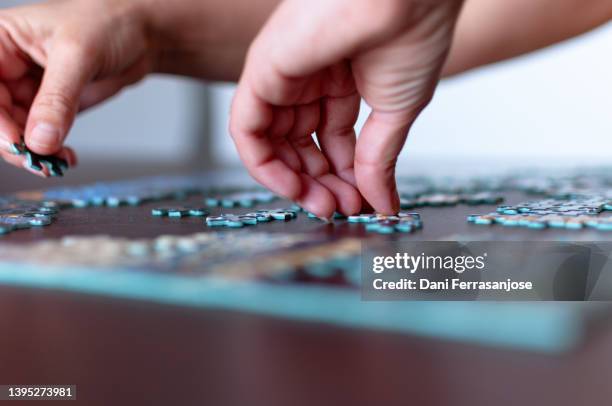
(20,161)
(284,118)
(300,138)
(14,93)
(286,66)
(69,156)
(68,70)
(10,132)
(23,90)
(346,198)
(378,147)
(336,134)
(20,116)
(250,120)
(316,198)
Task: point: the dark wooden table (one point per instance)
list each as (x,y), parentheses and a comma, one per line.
(123,352)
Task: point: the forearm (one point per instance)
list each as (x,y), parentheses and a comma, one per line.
(205,38)
(489,31)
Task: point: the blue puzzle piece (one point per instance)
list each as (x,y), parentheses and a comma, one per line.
(402,223)
(179,212)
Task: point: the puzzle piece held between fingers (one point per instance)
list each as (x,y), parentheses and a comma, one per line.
(539,222)
(55,165)
(402,222)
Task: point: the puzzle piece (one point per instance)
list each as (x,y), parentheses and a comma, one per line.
(241,220)
(539,222)
(179,212)
(402,222)
(279,214)
(569,207)
(55,165)
(22,214)
(128,193)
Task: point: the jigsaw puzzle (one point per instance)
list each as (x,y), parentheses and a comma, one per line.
(225,247)
(55,165)
(16,214)
(402,222)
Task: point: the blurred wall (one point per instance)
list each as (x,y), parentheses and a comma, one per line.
(550,107)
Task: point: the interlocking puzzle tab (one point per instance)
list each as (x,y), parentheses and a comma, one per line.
(55,165)
(127,193)
(402,222)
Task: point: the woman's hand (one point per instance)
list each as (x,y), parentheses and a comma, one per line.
(61,57)
(307,71)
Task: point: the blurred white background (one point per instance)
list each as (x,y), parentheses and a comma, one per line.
(552,106)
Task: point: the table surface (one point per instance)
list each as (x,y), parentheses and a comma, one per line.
(129,352)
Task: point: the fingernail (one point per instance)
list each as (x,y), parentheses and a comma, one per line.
(45,135)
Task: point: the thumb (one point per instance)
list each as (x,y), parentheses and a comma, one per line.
(68,70)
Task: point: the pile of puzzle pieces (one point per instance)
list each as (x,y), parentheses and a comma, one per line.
(56,166)
(570,214)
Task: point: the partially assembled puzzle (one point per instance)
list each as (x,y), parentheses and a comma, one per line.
(244,248)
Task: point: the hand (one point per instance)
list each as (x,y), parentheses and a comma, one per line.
(307,71)
(59,58)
